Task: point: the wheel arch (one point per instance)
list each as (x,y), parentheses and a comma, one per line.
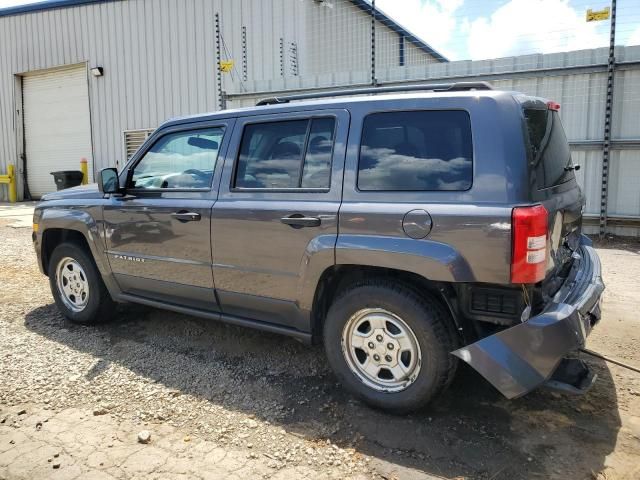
(336,278)
(52,237)
(58,224)
(84,297)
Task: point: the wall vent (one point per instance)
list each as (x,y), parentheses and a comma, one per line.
(133,139)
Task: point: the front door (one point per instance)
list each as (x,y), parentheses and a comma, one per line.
(279,198)
(158,234)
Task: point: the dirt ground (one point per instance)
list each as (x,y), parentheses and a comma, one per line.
(226,402)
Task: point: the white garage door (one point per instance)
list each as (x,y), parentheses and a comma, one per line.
(57,126)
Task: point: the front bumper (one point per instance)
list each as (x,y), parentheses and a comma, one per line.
(523,357)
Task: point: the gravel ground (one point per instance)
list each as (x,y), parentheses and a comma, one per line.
(236,402)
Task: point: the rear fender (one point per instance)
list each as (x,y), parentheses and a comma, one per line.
(318,256)
(432,260)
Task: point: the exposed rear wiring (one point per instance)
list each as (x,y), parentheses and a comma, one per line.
(525,295)
(610,360)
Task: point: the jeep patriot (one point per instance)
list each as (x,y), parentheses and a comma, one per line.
(406,230)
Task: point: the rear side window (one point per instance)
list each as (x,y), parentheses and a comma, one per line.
(549,151)
(416,151)
(286,154)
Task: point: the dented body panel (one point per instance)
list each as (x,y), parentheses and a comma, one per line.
(523,357)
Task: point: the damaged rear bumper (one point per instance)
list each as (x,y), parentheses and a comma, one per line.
(523,357)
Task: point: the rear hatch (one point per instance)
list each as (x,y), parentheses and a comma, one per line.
(553,184)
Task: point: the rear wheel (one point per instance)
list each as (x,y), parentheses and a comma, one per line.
(77,286)
(389,345)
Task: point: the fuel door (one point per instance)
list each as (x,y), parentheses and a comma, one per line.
(417,223)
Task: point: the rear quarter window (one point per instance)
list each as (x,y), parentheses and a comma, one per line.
(549,151)
(425,150)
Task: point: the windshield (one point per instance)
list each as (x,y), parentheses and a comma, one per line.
(548,146)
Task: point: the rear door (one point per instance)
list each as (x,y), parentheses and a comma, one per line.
(158,235)
(553,181)
(278,204)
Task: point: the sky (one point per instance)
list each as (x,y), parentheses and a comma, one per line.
(481,29)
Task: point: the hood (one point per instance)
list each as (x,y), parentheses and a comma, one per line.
(83,191)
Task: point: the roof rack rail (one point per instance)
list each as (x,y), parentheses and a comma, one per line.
(434,87)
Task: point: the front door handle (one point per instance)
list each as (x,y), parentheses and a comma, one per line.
(299,221)
(184,216)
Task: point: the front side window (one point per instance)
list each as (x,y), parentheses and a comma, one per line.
(286,154)
(416,151)
(183,160)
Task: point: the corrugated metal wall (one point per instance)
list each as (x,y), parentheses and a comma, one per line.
(159,57)
(155,55)
(159,62)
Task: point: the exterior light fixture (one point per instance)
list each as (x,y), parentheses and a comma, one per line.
(97,71)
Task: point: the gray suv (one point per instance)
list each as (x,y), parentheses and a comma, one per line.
(406,230)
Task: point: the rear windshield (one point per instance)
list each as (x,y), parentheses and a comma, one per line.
(549,152)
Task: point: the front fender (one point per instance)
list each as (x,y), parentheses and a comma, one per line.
(81,221)
(433,260)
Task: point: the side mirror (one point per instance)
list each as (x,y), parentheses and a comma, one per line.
(108,180)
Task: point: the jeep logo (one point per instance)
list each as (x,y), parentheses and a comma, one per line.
(127,258)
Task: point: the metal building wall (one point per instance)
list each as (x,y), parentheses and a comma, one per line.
(156,56)
(388,50)
(159,61)
(159,57)
(340,37)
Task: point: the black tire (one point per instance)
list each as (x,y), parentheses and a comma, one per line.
(431,325)
(99,305)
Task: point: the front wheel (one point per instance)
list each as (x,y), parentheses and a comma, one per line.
(389,345)
(77,286)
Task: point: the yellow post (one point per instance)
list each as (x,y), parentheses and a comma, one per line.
(13,189)
(10,180)
(85,171)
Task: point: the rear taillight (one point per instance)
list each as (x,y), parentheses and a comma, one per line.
(529,233)
(553,106)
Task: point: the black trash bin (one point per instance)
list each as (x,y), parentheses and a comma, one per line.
(67,178)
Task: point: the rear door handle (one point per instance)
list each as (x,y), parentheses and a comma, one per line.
(299,221)
(184,216)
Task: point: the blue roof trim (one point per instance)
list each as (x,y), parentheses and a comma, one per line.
(44,5)
(391,23)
